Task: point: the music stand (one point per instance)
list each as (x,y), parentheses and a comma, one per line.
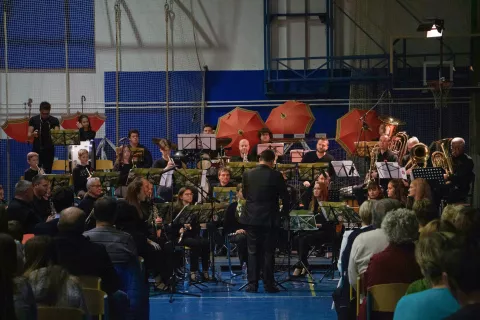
(153,175)
(224,194)
(276,147)
(238,168)
(65,138)
(345,169)
(390,170)
(288,169)
(108,180)
(197,142)
(58,181)
(310,171)
(138,156)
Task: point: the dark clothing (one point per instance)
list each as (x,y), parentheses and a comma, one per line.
(405,160)
(254,154)
(124,170)
(24,213)
(199,247)
(348,248)
(160,163)
(261,248)
(230,184)
(468,312)
(147,158)
(250,158)
(42,207)
(312,157)
(29,174)
(87,203)
(86,135)
(231,222)
(262,189)
(387,156)
(80,257)
(80,176)
(47,228)
(461,177)
(119,245)
(242,249)
(43,144)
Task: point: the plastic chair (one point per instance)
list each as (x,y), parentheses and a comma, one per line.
(60,165)
(48,313)
(360,292)
(384,297)
(97,303)
(103,165)
(90,282)
(26,237)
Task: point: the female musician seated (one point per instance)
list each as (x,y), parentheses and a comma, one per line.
(81,173)
(189,229)
(396,190)
(166,147)
(317,237)
(307,194)
(419,190)
(374,191)
(84,128)
(123,164)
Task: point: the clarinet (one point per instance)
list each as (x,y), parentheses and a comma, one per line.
(53,212)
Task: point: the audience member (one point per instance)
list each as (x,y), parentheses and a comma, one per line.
(21,209)
(374,191)
(62,198)
(52,285)
(16,232)
(425,212)
(396,190)
(437,302)
(41,204)
(369,243)
(468,222)
(16,295)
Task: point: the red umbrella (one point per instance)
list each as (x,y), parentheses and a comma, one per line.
(239,124)
(17,129)
(349,128)
(290,118)
(69,121)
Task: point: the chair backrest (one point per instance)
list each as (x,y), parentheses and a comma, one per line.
(104,165)
(360,291)
(48,313)
(96,302)
(90,282)
(384,297)
(59,165)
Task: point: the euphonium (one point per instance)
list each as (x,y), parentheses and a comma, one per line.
(418,154)
(398,145)
(443,158)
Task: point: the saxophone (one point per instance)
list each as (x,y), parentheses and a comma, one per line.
(53,212)
(153,216)
(373,160)
(40,170)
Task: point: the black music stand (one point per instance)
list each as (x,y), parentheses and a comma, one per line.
(434,177)
(58,181)
(138,156)
(309,171)
(390,170)
(238,168)
(108,180)
(65,138)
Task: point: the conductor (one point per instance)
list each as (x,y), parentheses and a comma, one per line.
(263,187)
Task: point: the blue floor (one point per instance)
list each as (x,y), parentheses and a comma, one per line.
(218,301)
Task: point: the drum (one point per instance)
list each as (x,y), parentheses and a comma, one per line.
(73,152)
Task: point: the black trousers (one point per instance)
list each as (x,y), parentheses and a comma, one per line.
(308,239)
(199,247)
(45,158)
(261,248)
(241,241)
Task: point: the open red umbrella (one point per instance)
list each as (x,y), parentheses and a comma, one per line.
(69,121)
(349,128)
(17,129)
(239,124)
(290,118)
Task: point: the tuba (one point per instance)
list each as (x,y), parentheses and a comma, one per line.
(398,145)
(418,154)
(443,159)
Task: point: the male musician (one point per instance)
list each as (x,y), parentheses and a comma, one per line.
(33,170)
(41,204)
(208,128)
(320,155)
(265,136)
(147,161)
(410,143)
(94,191)
(244,147)
(39,127)
(385,154)
(262,189)
(224,175)
(459,180)
(21,209)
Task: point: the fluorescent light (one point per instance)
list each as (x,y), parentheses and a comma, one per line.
(434,33)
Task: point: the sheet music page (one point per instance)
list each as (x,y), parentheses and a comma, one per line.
(166,180)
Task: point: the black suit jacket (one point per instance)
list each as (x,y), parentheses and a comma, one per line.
(80,257)
(24,213)
(262,188)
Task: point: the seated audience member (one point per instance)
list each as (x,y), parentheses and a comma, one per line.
(16,232)
(32,171)
(450,212)
(468,222)
(395,264)
(2,196)
(462,262)
(16,295)
(436,302)
(419,190)
(369,243)
(233,227)
(62,198)
(78,255)
(52,285)
(396,190)
(81,173)
(425,212)
(94,191)
(41,189)
(21,208)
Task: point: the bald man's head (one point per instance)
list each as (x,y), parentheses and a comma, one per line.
(458,146)
(244,146)
(411,142)
(72,220)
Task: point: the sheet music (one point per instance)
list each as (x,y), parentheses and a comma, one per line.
(204,185)
(340,171)
(166,180)
(390,170)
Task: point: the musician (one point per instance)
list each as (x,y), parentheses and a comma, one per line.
(21,209)
(265,136)
(81,173)
(208,128)
(147,161)
(385,154)
(322,235)
(374,191)
(41,203)
(224,175)
(396,190)
(166,147)
(32,160)
(123,164)
(232,226)
(85,129)
(410,143)
(320,155)
(262,188)
(189,228)
(419,189)
(94,191)
(244,147)
(39,128)
(460,179)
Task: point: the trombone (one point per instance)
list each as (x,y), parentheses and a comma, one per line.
(419,154)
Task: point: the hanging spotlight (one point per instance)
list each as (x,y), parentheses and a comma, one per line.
(433,28)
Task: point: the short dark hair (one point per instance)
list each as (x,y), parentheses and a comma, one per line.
(45,106)
(132,131)
(38,178)
(264,130)
(105,209)
(267,155)
(207,125)
(62,198)
(15,230)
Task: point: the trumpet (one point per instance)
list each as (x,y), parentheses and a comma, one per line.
(419,154)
